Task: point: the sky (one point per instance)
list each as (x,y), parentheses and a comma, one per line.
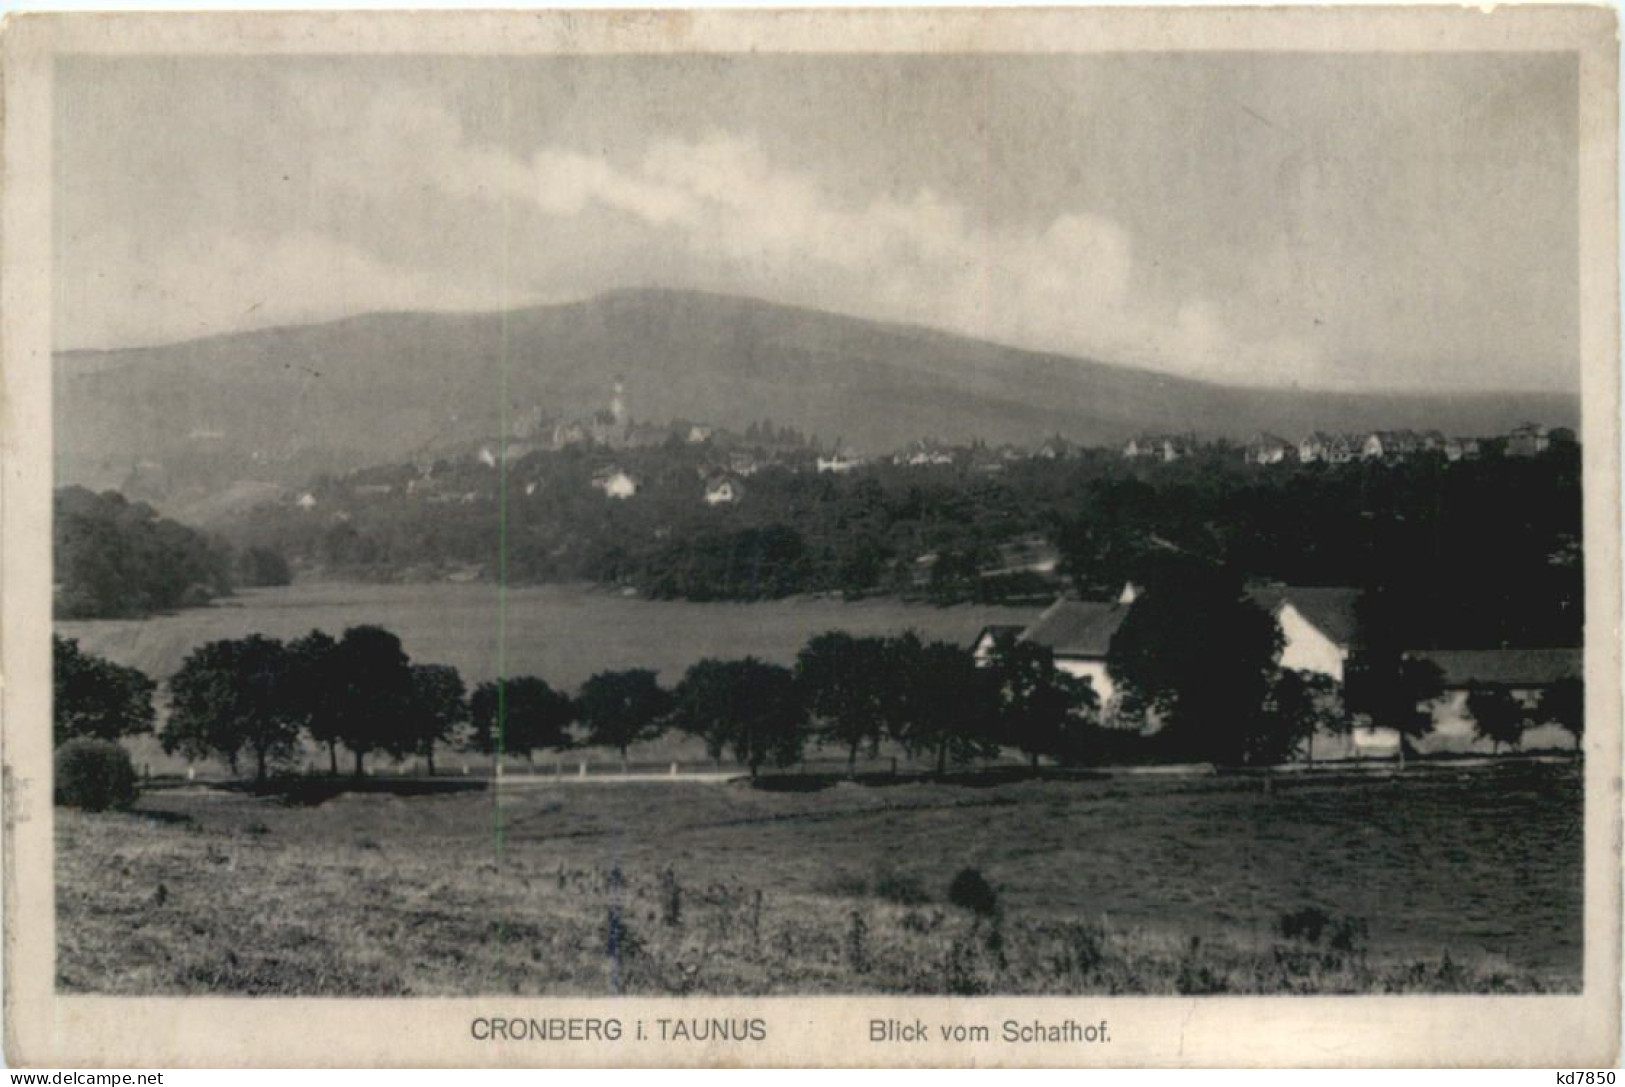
(1327,221)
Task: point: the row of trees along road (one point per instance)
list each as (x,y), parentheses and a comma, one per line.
(253,699)
(844,691)
(1194,654)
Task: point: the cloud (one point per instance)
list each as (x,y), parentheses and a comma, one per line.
(511,225)
(201,285)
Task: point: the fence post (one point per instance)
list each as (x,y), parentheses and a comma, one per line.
(674,769)
(583,771)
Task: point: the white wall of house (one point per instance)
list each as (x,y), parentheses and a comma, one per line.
(1092,669)
(1454,729)
(1305,648)
(617,485)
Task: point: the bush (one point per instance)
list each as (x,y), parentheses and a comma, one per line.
(95,775)
(1304,924)
(971,891)
(900,890)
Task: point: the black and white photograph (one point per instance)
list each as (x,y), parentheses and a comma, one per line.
(732,523)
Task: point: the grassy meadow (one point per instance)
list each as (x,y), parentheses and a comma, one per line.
(1438,880)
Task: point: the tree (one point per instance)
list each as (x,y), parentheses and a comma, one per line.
(94,698)
(257,566)
(751,707)
(519,715)
(114,557)
(372,679)
(1564,703)
(315,660)
(846,683)
(1108,542)
(1395,691)
(620,709)
(1042,710)
(232,696)
(1301,704)
(952,705)
(1200,655)
(438,706)
(1497,715)
(703,703)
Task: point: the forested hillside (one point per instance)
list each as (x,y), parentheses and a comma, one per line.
(116,558)
(1486,551)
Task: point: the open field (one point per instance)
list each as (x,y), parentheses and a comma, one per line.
(1459,880)
(563,633)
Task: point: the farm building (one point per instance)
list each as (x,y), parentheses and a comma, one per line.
(1317,625)
(1525,673)
(1320,635)
(1079,632)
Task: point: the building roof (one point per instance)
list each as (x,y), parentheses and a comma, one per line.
(1330,609)
(1077,628)
(994,631)
(1508,667)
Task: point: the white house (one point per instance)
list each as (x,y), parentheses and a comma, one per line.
(1461,449)
(1317,625)
(838,463)
(1164,447)
(615,483)
(1528,440)
(1328,448)
(1079,632)
(1319,631)
(723,489)
(923,454)
(1268,449)
(988,637)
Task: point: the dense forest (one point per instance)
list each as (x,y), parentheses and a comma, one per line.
(115,558)
(1477,552)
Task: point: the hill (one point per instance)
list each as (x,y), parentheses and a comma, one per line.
(183,421)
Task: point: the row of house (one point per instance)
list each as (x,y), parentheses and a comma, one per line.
(721,487)
(1321,447)
(1320,633)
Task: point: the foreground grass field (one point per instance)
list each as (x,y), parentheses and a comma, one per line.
(1441,881)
